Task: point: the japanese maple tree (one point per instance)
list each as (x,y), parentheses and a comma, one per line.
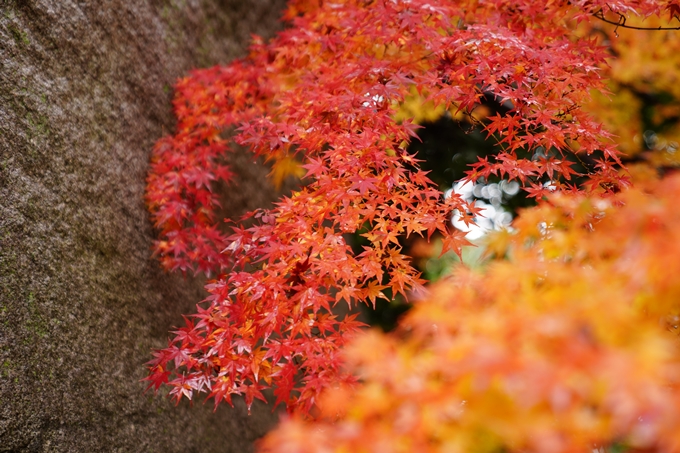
(325,92)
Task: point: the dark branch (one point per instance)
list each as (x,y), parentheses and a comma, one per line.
(622,23)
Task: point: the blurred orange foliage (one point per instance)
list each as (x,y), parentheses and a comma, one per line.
(643,110)
(569,343)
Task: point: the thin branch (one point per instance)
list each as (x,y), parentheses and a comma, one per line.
(622,23)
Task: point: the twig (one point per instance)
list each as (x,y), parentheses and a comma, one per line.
(622,23)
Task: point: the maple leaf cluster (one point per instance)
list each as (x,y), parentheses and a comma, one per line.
(326,92)
(568,344)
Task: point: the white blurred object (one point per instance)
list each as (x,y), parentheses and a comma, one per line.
(492,214)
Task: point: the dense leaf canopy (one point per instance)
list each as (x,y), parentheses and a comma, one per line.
(326,93)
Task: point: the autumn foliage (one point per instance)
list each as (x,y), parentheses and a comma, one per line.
(566,342)
(327,93)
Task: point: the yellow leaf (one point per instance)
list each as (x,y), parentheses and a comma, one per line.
(283,168)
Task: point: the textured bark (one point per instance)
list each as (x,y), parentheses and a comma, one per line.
(85,90)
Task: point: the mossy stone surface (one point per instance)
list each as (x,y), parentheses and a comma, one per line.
(84,93)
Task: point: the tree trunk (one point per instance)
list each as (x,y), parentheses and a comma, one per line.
(85,90)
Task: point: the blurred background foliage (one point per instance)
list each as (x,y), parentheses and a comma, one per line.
(643,109)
